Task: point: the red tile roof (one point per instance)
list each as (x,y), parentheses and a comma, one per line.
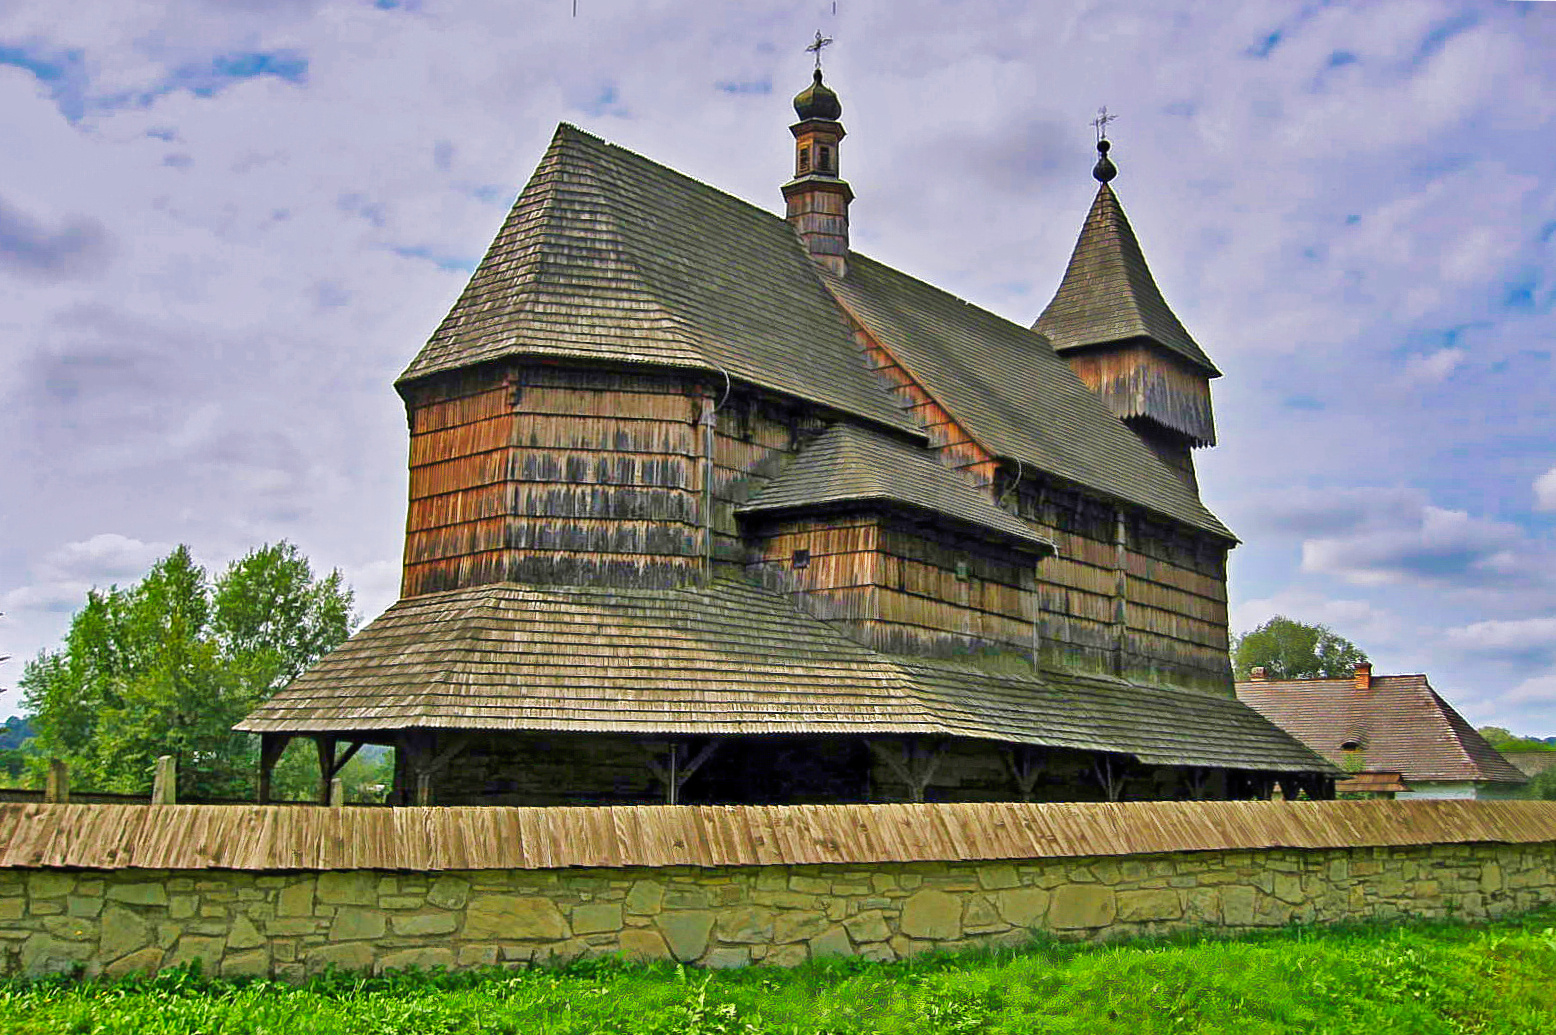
(1399,722)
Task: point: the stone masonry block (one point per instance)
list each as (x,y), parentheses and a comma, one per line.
(686,932)
(1077,906)
(592,919)
(1142,906)
(930,914)
(510,918)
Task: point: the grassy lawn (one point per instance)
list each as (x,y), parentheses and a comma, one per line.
(1410,979)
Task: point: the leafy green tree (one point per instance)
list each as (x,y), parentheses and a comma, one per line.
(169,664)
(1288,649)
(1541,786)
(1503,740)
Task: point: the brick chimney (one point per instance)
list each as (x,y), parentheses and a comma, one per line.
(1364,675)
(1256,674)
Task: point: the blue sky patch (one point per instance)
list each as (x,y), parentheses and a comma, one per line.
(222,71)
(1264,47)
(1352,219)
(63,72)
(1437,36)
(443,262)
(756,86)
(1303,402)
(605,102)
(1341,58)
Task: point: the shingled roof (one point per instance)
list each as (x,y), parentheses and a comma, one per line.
(726,658)
(1400,723)
(608,256)
(849,464)
(1011,392)
(1108,293)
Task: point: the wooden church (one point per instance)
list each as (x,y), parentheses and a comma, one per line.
(706,507)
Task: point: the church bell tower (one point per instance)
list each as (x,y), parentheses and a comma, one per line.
(1110,321)
(817,198)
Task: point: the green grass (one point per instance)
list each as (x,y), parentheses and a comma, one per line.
(1409,979)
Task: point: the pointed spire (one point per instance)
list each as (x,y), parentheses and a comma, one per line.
(1108,293)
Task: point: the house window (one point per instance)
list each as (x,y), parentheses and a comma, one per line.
(801,559)
(805,158)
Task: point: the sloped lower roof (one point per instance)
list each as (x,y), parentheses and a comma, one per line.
(1402,724)
(849,464)
(610,257)
(1108,293)
(727,658)
(1008,388)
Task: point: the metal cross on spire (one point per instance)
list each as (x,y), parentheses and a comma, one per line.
(1101,122)
(820,42)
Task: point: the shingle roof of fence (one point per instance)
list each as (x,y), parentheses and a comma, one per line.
(280,837)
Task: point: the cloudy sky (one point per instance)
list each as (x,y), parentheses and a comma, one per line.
(226,225)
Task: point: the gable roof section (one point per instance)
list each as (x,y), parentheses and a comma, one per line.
(1108,293)
(1404,726)
(1005,385)
(849,464)
(733,658)
(609,256)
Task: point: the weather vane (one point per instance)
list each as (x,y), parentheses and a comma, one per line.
(815,48)
(1101,122)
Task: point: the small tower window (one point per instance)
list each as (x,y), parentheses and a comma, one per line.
(804,158)
(825,164)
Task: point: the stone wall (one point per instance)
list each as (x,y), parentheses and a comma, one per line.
(292,923)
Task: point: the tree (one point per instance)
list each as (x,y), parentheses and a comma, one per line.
(1504,740)
(169,664)
(1288,649)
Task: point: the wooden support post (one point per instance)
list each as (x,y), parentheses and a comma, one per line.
(423,761)
(337,793)
(326,745)
(1196,781)
(164,783)
(56,787)
(1111,776)
(1025,765)
(916,767)
(271,745)
(676,769)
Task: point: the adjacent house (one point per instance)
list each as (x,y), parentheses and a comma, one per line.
(1394,735)
(706,506)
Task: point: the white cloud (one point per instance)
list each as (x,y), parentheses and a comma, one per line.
(1545,490)
(1433,367)
(1511,635)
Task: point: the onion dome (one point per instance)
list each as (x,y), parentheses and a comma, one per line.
(1104,170)
(817,101)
